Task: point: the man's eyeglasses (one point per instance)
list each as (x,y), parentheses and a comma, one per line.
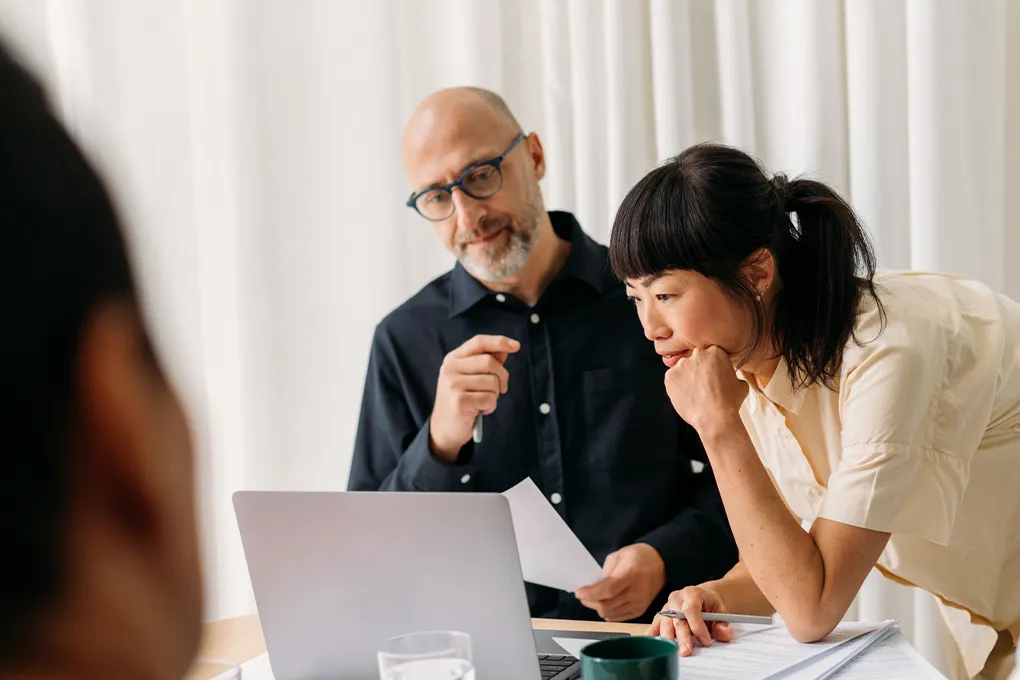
(479,181)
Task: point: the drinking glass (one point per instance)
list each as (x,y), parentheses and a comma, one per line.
(428,655)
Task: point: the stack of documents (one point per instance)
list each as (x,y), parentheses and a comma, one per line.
(853,650)
(893,657)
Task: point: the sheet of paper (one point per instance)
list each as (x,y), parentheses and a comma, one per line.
(572,646)
(893,657)
(827,665)
(551,555)
(257,669)
(762,655)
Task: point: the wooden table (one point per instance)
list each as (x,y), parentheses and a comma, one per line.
(240,639)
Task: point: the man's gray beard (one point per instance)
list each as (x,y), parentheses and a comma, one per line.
(518,248)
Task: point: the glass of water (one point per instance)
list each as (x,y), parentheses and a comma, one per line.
(429,655)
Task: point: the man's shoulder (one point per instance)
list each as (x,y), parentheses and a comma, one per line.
(428,306)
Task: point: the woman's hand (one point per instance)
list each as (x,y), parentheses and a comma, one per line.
(705,390)
(692,601)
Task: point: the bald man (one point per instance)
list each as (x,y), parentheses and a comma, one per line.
(531,330)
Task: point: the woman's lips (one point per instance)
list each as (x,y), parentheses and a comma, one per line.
(672,358)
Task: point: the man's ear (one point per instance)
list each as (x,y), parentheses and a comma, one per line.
(759,270)
(113,394)
(537,153)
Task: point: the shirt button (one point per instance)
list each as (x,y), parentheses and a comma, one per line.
(535,318)
(556,499)
(500,297)
(465,479)
(544,409)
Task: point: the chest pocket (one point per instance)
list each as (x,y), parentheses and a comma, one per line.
(629,420)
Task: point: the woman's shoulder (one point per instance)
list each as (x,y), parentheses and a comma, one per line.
(923,312)
(914,301)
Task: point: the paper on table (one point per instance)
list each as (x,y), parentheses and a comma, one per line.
(551,555)
(893,657)
(763,655)
(827,665)
(257,668)
(573,646)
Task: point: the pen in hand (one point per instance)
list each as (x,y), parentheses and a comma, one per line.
(476,432)
(710,617)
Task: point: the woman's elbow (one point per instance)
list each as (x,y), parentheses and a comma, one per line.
(811,628)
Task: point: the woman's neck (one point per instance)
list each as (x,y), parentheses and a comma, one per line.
(763,370)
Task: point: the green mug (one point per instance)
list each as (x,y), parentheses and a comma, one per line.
(630,658)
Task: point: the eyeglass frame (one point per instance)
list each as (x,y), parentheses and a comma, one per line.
(496,162)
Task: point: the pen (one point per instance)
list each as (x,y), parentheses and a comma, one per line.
(476,433)
(710,617)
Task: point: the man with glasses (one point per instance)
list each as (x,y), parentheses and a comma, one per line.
(530,337)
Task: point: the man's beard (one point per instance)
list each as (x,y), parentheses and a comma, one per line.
(499,260)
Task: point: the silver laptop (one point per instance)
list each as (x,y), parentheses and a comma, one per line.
(337,574)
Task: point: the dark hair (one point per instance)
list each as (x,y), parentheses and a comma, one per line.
(712,207)
(65,255)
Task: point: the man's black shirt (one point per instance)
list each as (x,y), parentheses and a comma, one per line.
(586,417)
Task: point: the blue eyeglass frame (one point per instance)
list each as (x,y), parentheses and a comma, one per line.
(494,162)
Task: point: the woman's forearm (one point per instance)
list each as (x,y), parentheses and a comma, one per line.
(740,594)
(776,552)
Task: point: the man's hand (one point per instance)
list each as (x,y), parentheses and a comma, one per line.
(634,576)
(470,381)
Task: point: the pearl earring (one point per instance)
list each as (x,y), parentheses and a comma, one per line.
(757,298)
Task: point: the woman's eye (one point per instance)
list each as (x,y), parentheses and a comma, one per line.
(632,300)
(663,297)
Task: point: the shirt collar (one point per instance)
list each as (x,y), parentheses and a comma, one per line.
(586,262)
(780,390)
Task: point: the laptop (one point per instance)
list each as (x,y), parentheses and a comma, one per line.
(335,574)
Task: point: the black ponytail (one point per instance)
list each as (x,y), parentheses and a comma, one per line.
(712,207)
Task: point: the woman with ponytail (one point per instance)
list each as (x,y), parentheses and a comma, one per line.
(879,410)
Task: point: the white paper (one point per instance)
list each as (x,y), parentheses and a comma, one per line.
(893,657)
(763,655)
(827,665)
(257,669)
(573,646)
(551,555)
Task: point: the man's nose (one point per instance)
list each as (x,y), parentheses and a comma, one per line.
(468,211)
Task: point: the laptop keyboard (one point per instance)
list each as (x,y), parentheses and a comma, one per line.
(559,667)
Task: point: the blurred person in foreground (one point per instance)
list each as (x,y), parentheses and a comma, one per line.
(100,575)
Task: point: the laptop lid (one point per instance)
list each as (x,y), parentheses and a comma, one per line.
(335,574)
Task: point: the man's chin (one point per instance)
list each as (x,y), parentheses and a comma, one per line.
(492,272)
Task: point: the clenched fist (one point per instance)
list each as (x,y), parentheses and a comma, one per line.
(470,381)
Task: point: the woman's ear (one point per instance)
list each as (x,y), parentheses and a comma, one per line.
(759,270)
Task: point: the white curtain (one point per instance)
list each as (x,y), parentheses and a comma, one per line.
(253,148)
